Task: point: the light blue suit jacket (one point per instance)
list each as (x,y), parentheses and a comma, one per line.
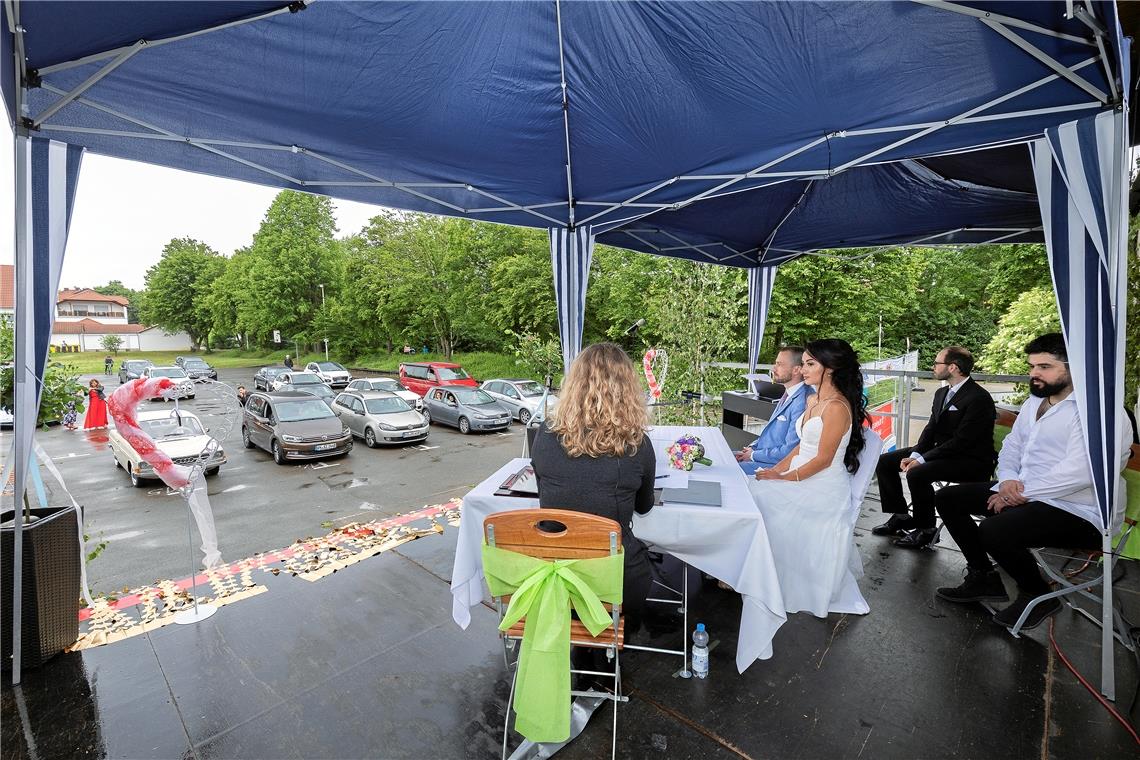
(779,436)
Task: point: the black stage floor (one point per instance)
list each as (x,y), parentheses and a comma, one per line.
(367,663)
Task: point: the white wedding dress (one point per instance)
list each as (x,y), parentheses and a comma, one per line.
(810,524)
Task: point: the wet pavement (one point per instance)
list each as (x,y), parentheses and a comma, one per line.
(367,663)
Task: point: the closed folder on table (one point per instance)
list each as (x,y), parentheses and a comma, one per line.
(704,493)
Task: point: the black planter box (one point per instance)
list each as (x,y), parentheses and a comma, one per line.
(50,606)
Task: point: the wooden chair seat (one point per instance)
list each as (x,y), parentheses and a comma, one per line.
(580,635)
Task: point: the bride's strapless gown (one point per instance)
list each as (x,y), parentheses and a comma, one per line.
(810,524)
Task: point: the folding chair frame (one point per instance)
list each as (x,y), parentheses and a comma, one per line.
(682,601)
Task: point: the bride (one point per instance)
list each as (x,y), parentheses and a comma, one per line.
(805,498)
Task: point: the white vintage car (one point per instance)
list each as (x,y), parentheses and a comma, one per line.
(178,434)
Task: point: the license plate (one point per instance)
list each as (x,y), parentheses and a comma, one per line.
(411,433)
(324,447)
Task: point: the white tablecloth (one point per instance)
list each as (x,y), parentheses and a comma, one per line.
(727,542)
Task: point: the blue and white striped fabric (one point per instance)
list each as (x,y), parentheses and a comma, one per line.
(571,252)
(760,283)
(1081,176)
(47,173)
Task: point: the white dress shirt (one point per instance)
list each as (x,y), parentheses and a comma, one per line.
(949,394)
(1050,458)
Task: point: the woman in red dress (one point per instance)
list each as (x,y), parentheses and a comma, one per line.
(96,407)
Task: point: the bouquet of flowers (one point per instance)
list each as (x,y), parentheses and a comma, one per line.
(687,451)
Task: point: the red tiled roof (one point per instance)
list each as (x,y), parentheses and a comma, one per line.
(87,294)
(7,286)
(91,327)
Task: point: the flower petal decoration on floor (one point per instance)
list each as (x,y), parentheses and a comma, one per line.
(114,618)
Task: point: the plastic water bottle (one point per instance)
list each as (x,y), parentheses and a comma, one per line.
(700,652)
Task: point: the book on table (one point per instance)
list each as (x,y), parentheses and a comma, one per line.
(701,493)
(522,483)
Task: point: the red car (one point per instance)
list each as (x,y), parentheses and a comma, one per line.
(421,377)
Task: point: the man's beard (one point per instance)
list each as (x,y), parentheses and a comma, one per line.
(1047,389)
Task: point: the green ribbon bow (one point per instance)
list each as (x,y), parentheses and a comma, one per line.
(543,592)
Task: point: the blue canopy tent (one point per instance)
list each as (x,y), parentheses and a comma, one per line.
(743,134)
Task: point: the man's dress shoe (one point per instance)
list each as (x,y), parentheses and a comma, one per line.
(919,538)
(896,526)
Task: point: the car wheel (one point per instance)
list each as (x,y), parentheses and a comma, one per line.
(136,481)
(278,453)
(190,396)
(464,426)
(213,472)
(117,465)
(524,417)
(369,438)
(245,437)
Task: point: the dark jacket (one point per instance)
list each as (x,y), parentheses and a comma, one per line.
(613,487)
(964,430)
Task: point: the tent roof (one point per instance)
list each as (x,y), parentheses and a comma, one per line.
(706,121)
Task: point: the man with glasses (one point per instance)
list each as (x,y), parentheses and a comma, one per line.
(957,445)
(1043,495)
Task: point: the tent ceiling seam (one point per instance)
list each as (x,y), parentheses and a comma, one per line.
(565,117)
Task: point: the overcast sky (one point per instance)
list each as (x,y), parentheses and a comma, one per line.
(125,212)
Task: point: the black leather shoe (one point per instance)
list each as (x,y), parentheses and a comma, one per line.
(1046,609)
(979,586)
(919,538)
(897,525)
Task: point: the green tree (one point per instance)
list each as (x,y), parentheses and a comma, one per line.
(178,288)
(1132,327)
(61,382)
(1033,313)
(111,343)
(289,259)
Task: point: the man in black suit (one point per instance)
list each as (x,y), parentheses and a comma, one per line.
(957,445)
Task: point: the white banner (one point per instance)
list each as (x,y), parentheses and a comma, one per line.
(908,361)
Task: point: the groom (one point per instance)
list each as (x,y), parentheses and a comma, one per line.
(779,436)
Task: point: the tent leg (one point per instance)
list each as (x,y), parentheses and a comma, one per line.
(1107,650)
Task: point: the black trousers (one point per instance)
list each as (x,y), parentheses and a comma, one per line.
(921,479)
(1009,535)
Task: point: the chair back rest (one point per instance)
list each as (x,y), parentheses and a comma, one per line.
(868,458)
(553,533)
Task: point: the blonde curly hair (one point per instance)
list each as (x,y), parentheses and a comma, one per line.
(601,408)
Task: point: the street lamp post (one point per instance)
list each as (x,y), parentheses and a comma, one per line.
(322,287)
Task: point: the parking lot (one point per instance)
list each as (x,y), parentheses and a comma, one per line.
(258,505)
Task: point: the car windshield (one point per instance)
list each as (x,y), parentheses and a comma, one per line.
(529,388)
(304,378)
(452,373)
(175,373)
(274,371)
(296,411)
(473,397)
(386,384)
(320,391)
(171,427)
(389,405)
(195,363)
(135,366)
(330,367)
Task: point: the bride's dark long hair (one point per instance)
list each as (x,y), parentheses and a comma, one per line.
(838,356)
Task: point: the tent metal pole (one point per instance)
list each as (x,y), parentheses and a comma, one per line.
(565,115)
(87,84)
(1107,624)
(1048,60)
(24,315)
(64,65)
(1006,20)
(956,119)
(1088,17)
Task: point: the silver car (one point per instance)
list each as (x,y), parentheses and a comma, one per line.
(184,386)
(390,384)
(522,397)
(295,377)
(380,417)
(465,408)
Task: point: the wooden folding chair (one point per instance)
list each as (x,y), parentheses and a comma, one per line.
(553,534)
